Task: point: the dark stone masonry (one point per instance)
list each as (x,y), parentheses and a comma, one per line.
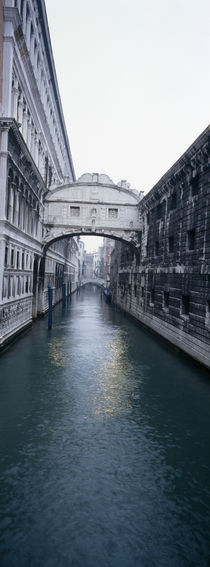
(168,287)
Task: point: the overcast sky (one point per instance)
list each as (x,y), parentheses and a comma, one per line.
(134,82)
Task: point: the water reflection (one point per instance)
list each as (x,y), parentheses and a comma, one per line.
(115,378)
(58,356)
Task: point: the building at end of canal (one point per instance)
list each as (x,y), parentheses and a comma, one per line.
(167,288)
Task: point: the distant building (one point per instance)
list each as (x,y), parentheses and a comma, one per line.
(108,245)
(88,265)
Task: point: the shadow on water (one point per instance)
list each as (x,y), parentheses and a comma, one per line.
(104,446)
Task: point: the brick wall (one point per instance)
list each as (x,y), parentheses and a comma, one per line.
(170,291)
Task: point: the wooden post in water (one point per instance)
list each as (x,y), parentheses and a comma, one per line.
(50,301)
(63,294)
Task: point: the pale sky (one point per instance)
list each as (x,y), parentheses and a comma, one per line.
(134,82)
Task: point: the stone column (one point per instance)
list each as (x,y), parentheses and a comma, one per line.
(2,254)
(25,124)
(3,169)
(20,210)
(24,17)
(17,207)
(7,69)
(20,111)
(32,141)
(40,157)
(23,220)
(28,31)
(11,203)
(15,99)
(29,134)
(32,54)
(36,149)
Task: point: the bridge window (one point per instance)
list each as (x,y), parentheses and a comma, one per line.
(113,213)
(75,211)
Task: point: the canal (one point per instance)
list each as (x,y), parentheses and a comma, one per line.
(104,446)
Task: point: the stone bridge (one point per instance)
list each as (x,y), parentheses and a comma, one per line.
(93,205)
(100,282)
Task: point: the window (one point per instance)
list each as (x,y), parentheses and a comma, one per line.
(156,248)
(6,256)
(142,291)
(171,244)
(173,201)
(5,288)
(152,296)
(75,211)
(195,185)
(113,213)
(22,260)
(166,299)
(13,287)
(18,259)
(19,286)
(12,257)
(159,211)
(191,239)
(185,304)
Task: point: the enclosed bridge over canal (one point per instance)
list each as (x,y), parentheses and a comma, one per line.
(92,205)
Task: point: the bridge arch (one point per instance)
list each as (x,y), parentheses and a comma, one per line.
(130,240)
(92,206)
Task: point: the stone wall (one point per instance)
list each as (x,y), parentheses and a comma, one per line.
(170,290)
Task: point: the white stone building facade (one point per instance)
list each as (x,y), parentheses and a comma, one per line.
(34,156)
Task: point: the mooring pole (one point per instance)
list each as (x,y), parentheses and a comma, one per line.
(63,294)
(70,291)
(50,301)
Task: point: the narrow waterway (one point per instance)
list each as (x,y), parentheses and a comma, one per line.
(104,442)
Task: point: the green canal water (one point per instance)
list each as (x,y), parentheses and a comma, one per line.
(104,444)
